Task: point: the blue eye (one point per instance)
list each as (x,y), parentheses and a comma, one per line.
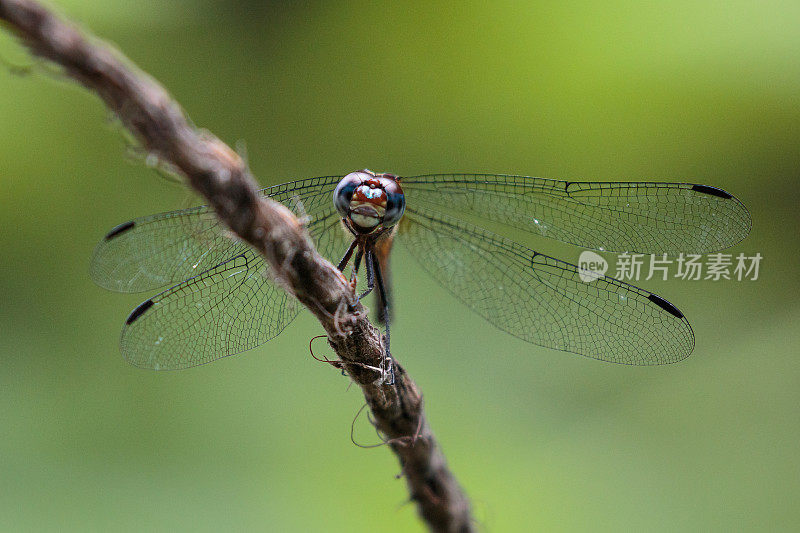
(395,207)
(344,192)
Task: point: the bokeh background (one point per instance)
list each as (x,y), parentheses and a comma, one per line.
(706,92)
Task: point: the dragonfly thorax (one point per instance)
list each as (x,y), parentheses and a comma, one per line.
(369,201)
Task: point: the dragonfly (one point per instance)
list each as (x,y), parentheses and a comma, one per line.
(221,299)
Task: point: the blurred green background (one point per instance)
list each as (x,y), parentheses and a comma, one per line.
(706,92)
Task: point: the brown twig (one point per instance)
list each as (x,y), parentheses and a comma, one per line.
(220,175)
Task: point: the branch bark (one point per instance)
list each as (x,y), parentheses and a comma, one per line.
(222,177)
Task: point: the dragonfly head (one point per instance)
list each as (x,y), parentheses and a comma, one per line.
(370,201)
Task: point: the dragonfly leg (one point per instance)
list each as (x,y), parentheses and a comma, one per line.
(356,266)
(382,249)
(347,255)
(368,261)
(388,362)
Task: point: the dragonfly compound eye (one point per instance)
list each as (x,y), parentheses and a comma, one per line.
(344,192)
(395,205)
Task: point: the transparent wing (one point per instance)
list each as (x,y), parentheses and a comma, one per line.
(623,217)
(228,304)
(227,309)
(159,250)
(543,300)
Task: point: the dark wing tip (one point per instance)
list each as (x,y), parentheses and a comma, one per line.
(122,228)
(139,311)
(713,191)
(665,305)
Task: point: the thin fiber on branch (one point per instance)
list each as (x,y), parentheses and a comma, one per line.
(221,176)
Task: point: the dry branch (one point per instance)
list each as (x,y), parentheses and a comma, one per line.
(222,177)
